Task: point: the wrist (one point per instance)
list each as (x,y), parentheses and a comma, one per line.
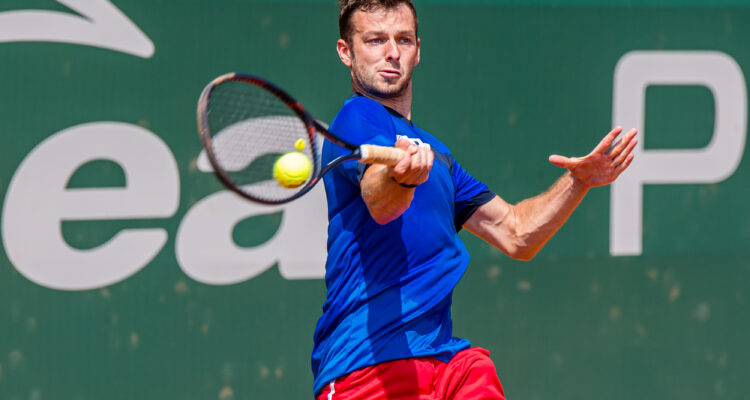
(578,184)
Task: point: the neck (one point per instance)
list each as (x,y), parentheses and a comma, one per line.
(401,103)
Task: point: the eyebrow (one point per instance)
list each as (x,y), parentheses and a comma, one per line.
(406,32)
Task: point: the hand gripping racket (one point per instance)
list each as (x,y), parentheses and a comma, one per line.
(246,123)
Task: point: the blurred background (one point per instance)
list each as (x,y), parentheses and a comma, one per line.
(126,271)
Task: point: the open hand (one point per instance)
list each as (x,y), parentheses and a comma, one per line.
(604,164)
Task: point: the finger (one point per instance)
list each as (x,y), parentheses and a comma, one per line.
(618,147)
(428,161)
(410,170)
(430,158)
(419,166)
(561,161)
(621,157)
(421,157)
(427,157)
(620,168)
(405,161)
(608,139)
(418,169)
(404,164)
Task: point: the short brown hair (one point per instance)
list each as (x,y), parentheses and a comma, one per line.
(348,7)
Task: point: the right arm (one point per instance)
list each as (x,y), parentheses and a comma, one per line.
(385,198)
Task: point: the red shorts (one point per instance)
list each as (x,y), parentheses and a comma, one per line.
(469,375)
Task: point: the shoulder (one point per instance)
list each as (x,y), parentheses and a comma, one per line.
(359,108)
(362,120)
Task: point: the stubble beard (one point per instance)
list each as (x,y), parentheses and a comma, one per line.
(374,85)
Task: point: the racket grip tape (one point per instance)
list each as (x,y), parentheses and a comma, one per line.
(372,154)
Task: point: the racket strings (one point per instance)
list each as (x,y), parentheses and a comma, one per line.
(250,129)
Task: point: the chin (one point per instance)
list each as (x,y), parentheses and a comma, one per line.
(390,91)
(382,88)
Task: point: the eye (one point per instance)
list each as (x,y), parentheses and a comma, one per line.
(376,41)
(405,40)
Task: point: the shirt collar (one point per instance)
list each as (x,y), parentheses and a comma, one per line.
(390,110)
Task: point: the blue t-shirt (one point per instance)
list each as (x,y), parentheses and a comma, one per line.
(389,286)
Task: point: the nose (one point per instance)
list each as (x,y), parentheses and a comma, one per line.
(392,51)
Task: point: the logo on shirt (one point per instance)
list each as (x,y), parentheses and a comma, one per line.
(414,141)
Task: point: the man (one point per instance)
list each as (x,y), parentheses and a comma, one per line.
(394,255)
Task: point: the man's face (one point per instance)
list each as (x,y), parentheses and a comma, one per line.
(384,50)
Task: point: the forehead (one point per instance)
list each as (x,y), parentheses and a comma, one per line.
(395,19)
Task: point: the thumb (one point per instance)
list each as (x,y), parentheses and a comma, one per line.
(561,161)
(405,161)
(402,144)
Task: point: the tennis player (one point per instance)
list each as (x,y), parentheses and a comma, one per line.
(394,256)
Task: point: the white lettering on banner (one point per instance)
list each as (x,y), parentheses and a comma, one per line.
(100,24)
(207,252)
(634,72)
(37,201)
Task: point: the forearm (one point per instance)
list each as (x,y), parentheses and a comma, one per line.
(385,199)
(537,219)
(520,231)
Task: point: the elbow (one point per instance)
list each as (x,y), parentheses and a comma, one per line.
(383,219)
(524,254)
(518,251)
(385,212)
(524,249)
(383,216)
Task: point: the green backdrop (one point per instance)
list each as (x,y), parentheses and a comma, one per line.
(504,84)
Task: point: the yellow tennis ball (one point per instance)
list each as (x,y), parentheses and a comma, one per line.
(292,169)
(299,144)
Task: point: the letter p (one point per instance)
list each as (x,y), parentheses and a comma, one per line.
(637,70)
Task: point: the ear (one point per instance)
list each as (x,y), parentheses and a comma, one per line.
(344,52)
(416,60)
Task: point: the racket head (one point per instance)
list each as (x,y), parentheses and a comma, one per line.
(246,124)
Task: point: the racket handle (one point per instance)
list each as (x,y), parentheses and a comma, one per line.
(372,154)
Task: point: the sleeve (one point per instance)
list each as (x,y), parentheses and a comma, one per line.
(360,121)
(470,194)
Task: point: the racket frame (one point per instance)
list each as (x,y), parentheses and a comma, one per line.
(311,126)
(204,132)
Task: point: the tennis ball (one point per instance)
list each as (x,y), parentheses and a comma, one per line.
(292,169)
(299,144)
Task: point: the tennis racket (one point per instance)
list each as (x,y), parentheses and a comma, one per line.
(246,123)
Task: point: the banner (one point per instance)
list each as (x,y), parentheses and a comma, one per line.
(127,271)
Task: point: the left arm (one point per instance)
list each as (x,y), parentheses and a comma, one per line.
(521,230)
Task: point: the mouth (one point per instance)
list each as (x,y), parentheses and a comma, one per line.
(390,73)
